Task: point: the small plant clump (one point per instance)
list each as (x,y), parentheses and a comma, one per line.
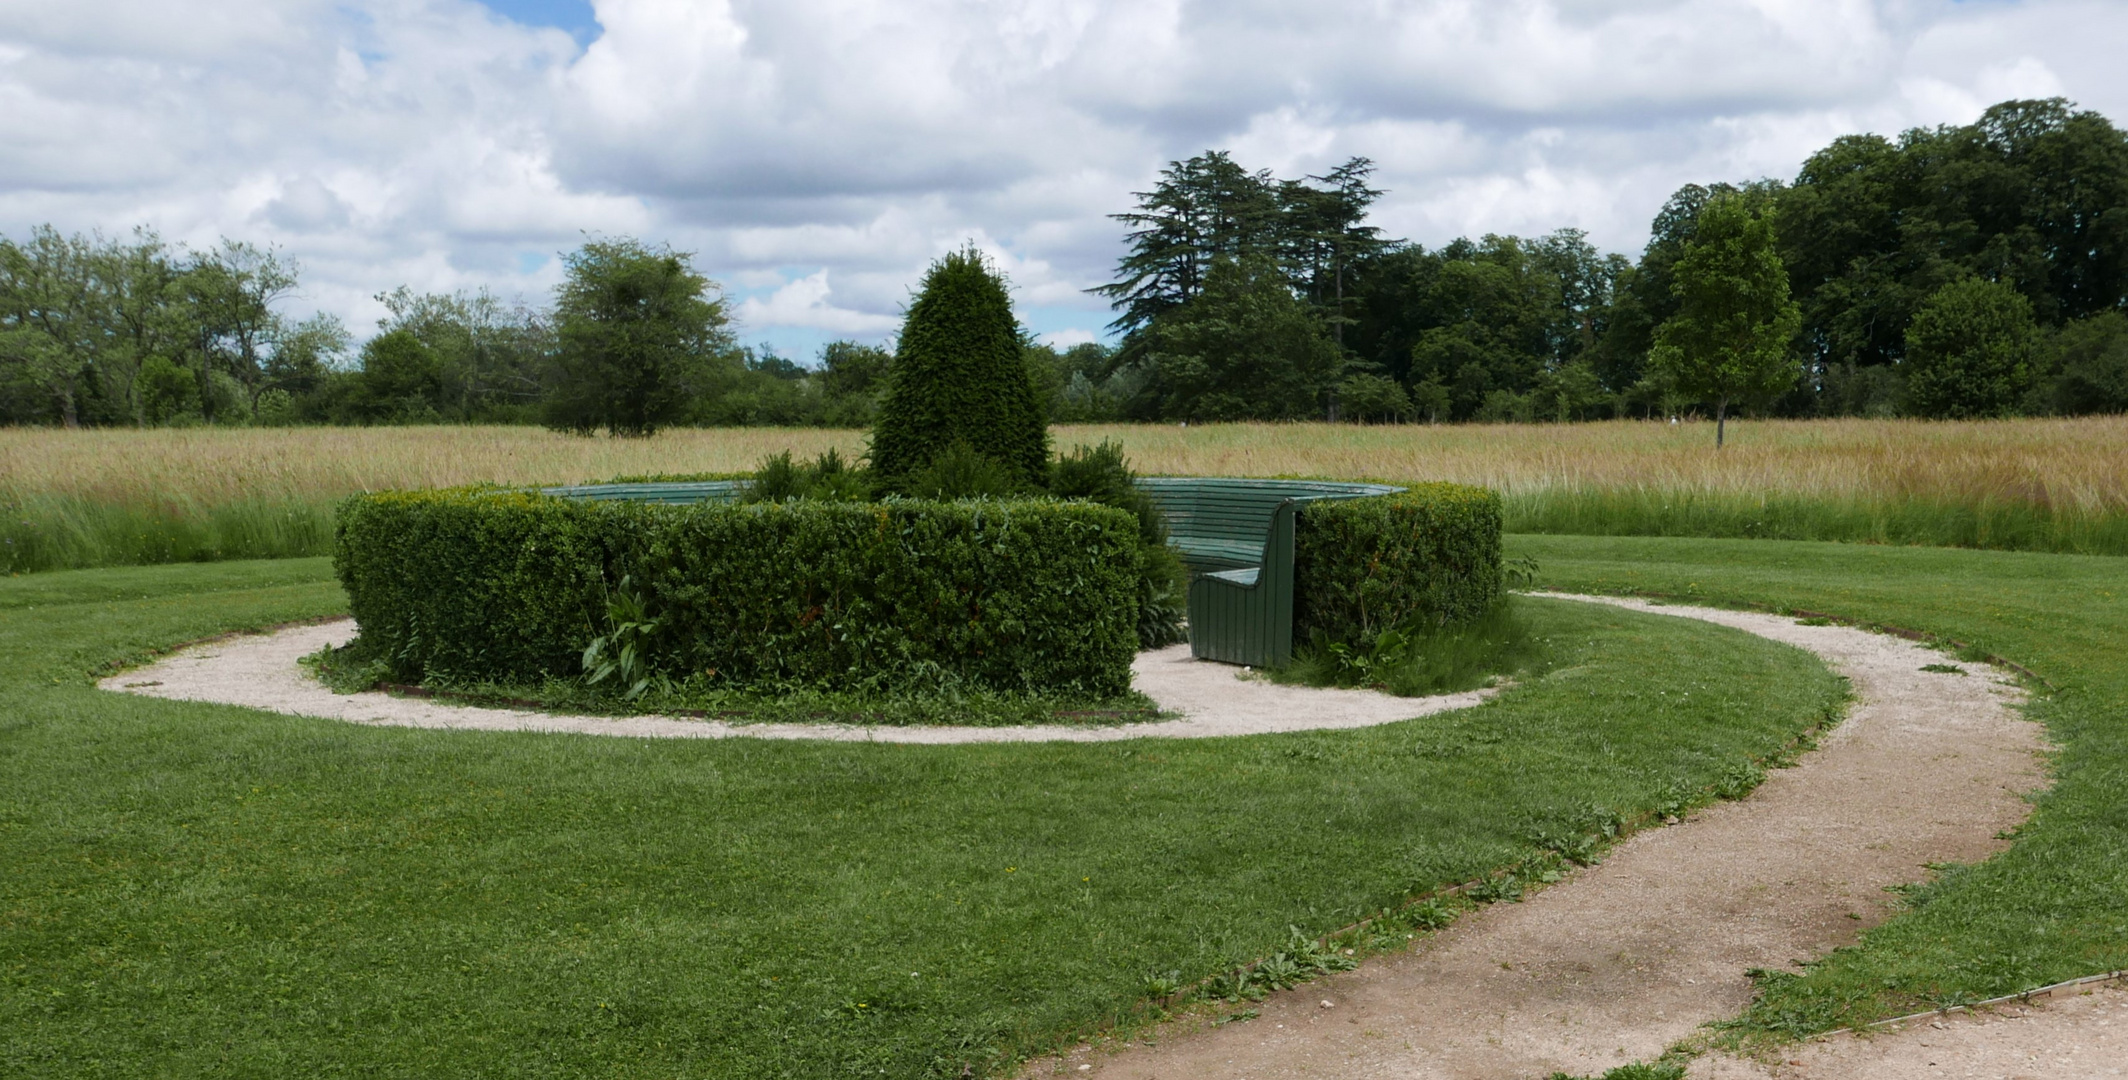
(1414,660)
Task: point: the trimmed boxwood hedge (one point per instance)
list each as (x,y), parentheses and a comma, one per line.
(1428,556)
(476,585)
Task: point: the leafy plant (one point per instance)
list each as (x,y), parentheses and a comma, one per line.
(622,653)
(1493,890)
(828,478)
(961,472)
(1654,1070)
(1416,658)
(1365,665)
(1519,572)
(1103,475)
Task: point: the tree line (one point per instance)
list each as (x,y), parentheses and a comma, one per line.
(1958,271)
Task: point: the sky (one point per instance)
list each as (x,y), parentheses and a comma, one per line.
(816,155)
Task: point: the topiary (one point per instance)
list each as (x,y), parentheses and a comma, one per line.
(959,377)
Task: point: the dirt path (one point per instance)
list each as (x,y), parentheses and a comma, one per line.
(260,671)
(2084,1036)
(1627,957)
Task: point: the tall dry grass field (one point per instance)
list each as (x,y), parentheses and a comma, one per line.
(86,498)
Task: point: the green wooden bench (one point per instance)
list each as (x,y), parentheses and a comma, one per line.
(1236,536)
(675,494)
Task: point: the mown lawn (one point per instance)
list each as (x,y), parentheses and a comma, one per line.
(197,890)
(2053,907)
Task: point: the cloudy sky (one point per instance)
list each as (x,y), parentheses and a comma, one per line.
(816,154)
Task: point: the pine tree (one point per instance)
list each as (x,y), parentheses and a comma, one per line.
(958,377)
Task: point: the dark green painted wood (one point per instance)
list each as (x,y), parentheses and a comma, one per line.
(1236,536)
(677,494)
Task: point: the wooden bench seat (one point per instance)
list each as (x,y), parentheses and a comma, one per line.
(1236,536)
(671,494)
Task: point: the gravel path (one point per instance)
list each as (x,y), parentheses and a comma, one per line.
(260,670)
(1627,957)
(2082,1036)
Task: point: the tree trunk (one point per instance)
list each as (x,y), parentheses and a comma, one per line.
(1721,418)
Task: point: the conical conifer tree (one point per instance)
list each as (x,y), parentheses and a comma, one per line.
(959,377)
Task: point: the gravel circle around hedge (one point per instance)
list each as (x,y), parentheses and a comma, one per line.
(261,671)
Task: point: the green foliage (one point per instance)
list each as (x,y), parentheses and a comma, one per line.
(961,472)
(1729,341)
(479,586)
(1656,1070)
(1427,557)
(400,380)
(1246,349)
(1971,351)
(827,478)
(168,392)
(639,336)
(622,653)
(1373,398)
(1101,474)
(1418,659)
(2094,366)
(960,378)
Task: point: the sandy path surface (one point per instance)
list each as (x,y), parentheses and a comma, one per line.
(1625,958)
(2082,1036)
(260,670)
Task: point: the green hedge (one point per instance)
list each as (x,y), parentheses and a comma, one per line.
(1430,556)
(491,586)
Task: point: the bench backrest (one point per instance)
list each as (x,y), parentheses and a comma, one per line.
(1238,511)
(698,491)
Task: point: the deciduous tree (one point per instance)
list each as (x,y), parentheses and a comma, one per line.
(639,335)
(1729,340)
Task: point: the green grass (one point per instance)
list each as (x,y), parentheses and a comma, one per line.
(1430,660)
(2055,905)
(1983,522)
(193,889)
(53,532)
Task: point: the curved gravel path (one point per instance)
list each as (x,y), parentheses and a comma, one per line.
(260,670)
(1625,958)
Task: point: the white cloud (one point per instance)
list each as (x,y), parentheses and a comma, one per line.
(790,143)
(1065,339)
(804,302)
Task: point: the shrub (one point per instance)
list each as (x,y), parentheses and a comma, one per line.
(1101,474)
(1427,557)
(959,377)
(491,586)
(962,472)
(827,478)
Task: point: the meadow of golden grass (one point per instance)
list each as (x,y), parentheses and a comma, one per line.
(2043,484)
(2077,464)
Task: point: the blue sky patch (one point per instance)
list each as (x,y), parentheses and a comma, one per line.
(574,16)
